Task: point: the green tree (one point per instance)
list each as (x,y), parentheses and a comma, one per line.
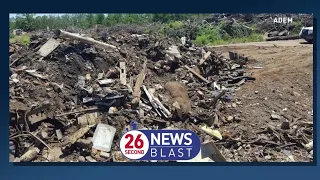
(99,18)
(25,22)
(90,20)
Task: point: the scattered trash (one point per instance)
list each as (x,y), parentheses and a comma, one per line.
(90,159)
(212,132)
(88,119)
(105,81)
(285,125)
(103,137)
(75,104)
(309,146)
(290,156)
(71,139)
(30,154)
(275,117)
(34,73)
(208,153)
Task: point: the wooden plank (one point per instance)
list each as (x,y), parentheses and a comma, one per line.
(196,74)
(137,92)
(85,39)
(48,47)
(123,73)
(205,57)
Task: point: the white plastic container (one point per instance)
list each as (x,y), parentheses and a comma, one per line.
(103,137)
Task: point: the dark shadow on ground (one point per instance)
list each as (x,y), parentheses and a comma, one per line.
(305,42)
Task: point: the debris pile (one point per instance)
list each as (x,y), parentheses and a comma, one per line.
(72,97)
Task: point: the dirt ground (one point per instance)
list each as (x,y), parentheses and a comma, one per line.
(283,86)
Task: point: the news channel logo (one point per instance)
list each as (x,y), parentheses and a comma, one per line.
(160,144)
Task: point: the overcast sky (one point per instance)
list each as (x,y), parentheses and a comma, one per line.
(37,14)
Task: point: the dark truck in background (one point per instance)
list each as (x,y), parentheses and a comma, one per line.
(306,33)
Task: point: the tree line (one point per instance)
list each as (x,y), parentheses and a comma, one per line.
(29,22)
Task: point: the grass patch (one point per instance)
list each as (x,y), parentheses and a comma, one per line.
(224,34)
(23,39)
(176,25)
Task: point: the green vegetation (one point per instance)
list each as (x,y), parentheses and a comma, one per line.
(225,34)
(22,39)
(297,27)
(173,25)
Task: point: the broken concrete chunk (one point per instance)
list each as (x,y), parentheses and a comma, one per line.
(88,77)
(100,75)
(53,155)
(230,118)
(275,117)
(30,154)
(104,154)
(81,159)
(173,50)
(90,159)
(88,119)
(48,47)
(103,137)
(183,40)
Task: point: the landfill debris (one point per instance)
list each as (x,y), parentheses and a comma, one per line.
(275,117)
(103,137)
(208,153)
(90,159)
(309,146)
(123,72)
(105,81)
(30,154)
(48,47)
(285,125)
(69,140)
(212,132)
(34,73)
(83,93)
(104,154)
(82,159)
(290,156)
(88,119)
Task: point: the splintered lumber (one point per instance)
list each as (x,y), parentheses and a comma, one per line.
(84,39)
(205,57)
(196,74)
(79,111)
(71,139)
(137,92)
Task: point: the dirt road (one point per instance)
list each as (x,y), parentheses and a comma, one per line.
(299,42)
(283,87)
